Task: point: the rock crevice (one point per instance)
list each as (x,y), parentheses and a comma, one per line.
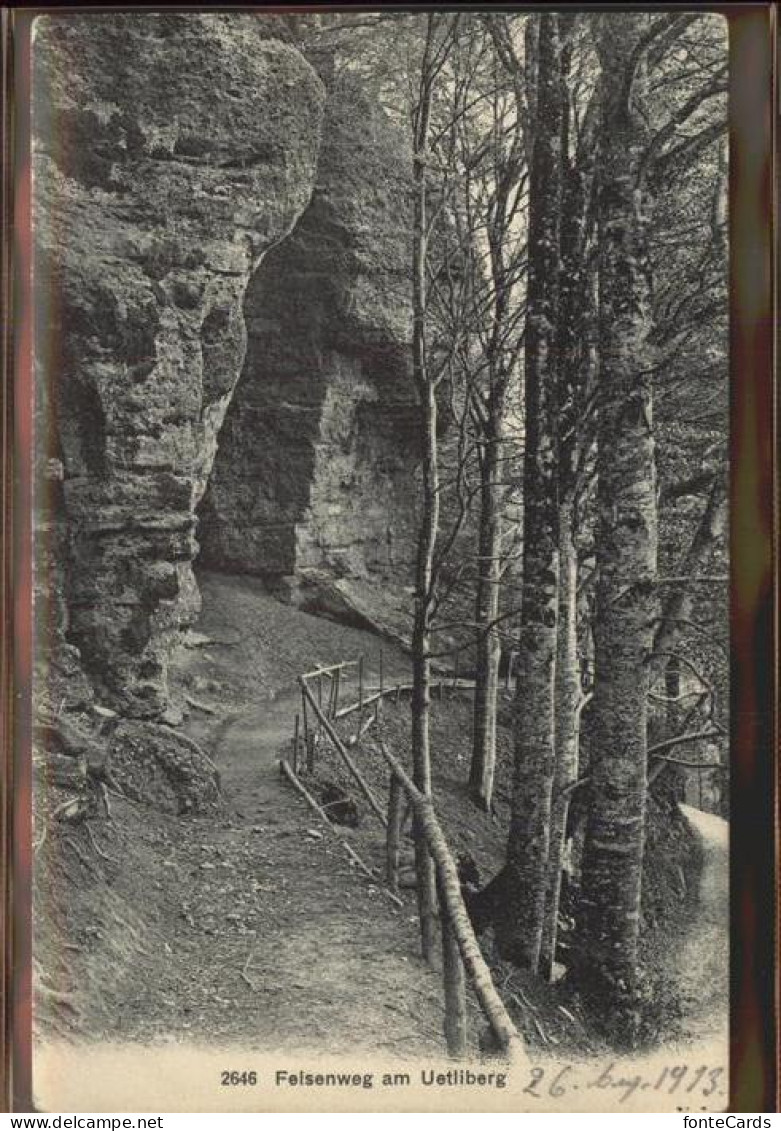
(317,458)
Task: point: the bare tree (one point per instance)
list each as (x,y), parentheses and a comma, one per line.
(427,377)
(519,928)
(626,533)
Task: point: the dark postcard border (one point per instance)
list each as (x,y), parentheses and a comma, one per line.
(753,538)
(754,627)
(17,643)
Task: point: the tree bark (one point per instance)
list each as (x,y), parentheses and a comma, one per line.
(574,360)
(429,523)
(626,544)
(519,930)
(488,646)
(566,732)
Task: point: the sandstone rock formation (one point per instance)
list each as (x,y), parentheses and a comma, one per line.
(171,151)
(315,470)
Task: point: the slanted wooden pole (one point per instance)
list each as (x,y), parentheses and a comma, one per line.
(329,668)
(318,809)
(344,754)
(395,813)
(354,739)
(492,1005)
(307,796)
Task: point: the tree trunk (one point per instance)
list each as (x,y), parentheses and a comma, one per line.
(429,523)
(626,546)
(519,930)
(567,697)
(574,370)
(488,647)
(421,674)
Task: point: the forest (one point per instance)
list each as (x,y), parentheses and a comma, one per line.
(423,392)
(569,235)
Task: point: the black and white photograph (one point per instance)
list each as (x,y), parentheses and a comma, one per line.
(380,722)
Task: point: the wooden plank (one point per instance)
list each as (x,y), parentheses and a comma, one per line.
(344,753)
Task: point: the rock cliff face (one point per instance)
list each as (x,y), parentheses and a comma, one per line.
(171,151)
(316,461)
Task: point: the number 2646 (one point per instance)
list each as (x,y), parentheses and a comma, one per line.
(237,1079)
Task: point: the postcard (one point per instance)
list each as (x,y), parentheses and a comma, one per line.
(379,731)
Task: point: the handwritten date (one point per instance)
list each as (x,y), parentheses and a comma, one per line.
(700,1082)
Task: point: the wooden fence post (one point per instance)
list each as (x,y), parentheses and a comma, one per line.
(306,726)
(454,981)
(335,692)
(505,1031)
(344,754)
(360,692)
(382,683)
(295,746)
(395,810)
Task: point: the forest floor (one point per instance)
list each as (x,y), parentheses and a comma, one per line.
(252,925)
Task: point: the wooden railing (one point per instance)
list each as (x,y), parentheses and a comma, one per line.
(460,948)
(462,958)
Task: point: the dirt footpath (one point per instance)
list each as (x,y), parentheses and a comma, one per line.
(700,966)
